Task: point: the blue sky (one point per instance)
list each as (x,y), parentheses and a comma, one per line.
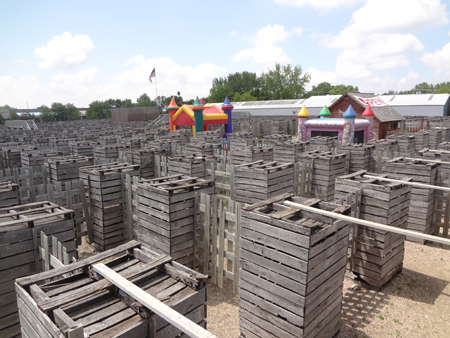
(80,51)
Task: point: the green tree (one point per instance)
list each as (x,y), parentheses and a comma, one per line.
(143,97)
(72,112)
(247,96)
(322,88)
(6,106)
(237,83)
(98,110)
(14,116)
(285,82)
(59,111)
(342,89)
(127,103)
(443,90)
(46,114)
(2,120)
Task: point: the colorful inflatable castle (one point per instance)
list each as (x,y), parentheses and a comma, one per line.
(349,129)
(200,116)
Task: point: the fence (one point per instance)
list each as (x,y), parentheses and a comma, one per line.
(58,257)
(68,193)
(216,245)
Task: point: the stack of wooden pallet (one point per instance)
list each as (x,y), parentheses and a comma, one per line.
(250,154)
(107,154)
(288,151)
(405,143)
(378,254)
(62,145)
(42,142)
(324,143)
(202,148)
(261,180)
(66,168)
(20,232)
(34,160)
(422,139)
(212,137)
(83,148)
(166,212)
(444,146)
(105,185)
(131,143)
(271,140)
(359,156)
(109,140)
(145,158)
(292,269)
(95,303)
(422,199)
(12,155)
(435,138)
(9,194)
(193,165)
(325,168)
(388,145)
(240,140)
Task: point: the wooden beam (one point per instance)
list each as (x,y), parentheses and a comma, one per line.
(173,317)
(413,184)
(370,224)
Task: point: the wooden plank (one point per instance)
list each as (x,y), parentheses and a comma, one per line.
(162,310)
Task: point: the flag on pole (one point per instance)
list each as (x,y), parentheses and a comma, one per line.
(152,74)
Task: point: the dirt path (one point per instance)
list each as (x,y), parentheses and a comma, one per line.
(416,303)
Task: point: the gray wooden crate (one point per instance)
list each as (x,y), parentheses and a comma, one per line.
(66,168)
(88,305)
(261,180)
(435,137)
(19,238)
(422,200)
(105,185)
(9,194)
(193,165)
(324,143)
(289,151)
(33,161)
(83,148)
(270,140)
(325,168)
(378,254)
(166,214)
(250,154)
(145,158)
(277,243)
(107,154)
(359,156)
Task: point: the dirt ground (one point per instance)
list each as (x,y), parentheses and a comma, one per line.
(416,303)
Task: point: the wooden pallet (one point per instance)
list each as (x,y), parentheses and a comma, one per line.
(289,151)
(20,232)
(83,148)
(422,200)
(166,214)
(278,243)
(250,154)
(105,185)
(359,156)
(261,180)
(88,304)
(9,194)
(66,168)
(378,254)
(193,165)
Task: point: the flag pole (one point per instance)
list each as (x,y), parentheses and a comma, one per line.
(156,90)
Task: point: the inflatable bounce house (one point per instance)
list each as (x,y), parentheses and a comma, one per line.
(349,129)
(200,116)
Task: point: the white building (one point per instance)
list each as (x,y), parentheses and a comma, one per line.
(419,104)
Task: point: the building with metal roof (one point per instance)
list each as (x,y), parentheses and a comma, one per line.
(314,104)
(419,104)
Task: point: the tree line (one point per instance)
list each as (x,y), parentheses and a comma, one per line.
(424,88)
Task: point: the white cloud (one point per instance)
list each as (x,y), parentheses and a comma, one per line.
(76,81)
(21,60)
(318,76)
(439,60)
(378,36)
(137,59)
(65,51)
(409,81)
(321,4)
(233,33)
(265,51)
